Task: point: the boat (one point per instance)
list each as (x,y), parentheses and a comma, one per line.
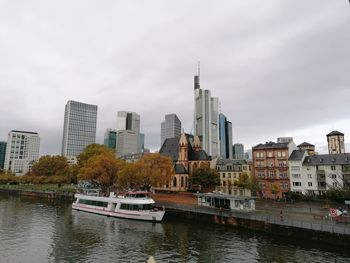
(133,205)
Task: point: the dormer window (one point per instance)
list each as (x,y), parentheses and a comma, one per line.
(321,160)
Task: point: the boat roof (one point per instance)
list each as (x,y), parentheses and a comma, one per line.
(124,200)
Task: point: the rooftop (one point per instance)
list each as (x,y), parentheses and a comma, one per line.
(327,159)
(270,145)
(335,133)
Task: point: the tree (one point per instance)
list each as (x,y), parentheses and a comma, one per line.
(254,185)
(91,151)
(275,188)
(131,176)
(51,166)
(243,181)
(155,169)
(103,169)
(205,177)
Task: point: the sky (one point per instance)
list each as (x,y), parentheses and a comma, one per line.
(278,67)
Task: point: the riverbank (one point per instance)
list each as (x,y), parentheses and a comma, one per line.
(52,192)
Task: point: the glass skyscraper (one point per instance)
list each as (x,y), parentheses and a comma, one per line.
(79,127)
(2,154)
(110,139)
(170,128)
(225,137)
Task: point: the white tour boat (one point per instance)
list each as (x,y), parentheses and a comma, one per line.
(134,205)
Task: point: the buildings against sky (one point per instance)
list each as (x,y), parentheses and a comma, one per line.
(170,127)
(206,119)
(2,154)
(22,151)
(225,137)
(79,128)
(129,140)
(238,151)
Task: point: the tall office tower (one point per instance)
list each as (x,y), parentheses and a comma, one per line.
(238,151)
(206,118)
(129,139)
(335,141)
(2,154)
(128,121)
(170,128)
(22,151)
(79,127)
(110,139)
(225,137)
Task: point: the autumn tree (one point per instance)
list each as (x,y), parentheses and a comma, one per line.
(254,187)
(275,188)
(155,170)
(103,169)
(50,166)
(205,177)
(91,151)
(243,181)
(131,176)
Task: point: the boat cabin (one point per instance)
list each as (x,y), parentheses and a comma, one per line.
(138,194)
(224,201)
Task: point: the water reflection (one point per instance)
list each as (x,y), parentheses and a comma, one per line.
(34,230)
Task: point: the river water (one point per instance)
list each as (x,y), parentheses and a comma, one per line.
(35,230)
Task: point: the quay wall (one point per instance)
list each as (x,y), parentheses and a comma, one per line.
(40,194)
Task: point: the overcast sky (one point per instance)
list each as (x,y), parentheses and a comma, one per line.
(279,67)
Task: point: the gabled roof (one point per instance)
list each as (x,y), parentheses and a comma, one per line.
(297,155)
(170,148)
(200,155)
(335,133)
(328,159)
(306,144)
(230,161)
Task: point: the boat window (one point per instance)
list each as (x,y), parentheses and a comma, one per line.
(136,207)
(93,203)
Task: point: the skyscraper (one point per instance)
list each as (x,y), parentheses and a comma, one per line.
(238,151)
(79,127)
(206,118)
(2,154)
(225,137)
(110,139)
(170,128)
(129,140)
(22,151)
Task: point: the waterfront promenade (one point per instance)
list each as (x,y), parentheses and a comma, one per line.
(303,215)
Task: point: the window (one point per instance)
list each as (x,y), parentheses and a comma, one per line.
(279,154)
(296,183)
(295,168)
(309,176)
(333,167)
(334,176)
(296,176)
(283,154)
(309,183)
(223,175)
(269,154)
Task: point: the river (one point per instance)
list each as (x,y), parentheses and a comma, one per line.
(35,230)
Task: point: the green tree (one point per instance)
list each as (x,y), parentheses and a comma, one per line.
(254,185)
(205,177)
(51,166)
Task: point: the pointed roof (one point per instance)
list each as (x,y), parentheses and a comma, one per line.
(304,144)
(183,140)
(196,142)
(335,133)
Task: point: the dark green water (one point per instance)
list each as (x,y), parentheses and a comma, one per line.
(33,230)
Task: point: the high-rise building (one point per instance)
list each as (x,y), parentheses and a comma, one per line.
(79,127)
(335,141)
(2,154)
(129,140)
(238,151)
(128,121)
(225,137)
(206,118)
(110,139)
(170,128)
(22,151)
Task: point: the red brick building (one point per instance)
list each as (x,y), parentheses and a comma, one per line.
(270,166)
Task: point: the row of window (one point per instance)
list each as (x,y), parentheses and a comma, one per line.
(270,154)
(92,202)
(136,207)
(299,184)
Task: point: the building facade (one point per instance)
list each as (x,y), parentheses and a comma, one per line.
(22,151)
(79,128)
(225,137)
(110,139)
(2,154)
(238,151)
(206,118)
(230,172)
(335,141)
(129,140)
(270,166)
(316,174)
(170,128)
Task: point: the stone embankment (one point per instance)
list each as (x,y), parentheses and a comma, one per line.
(68,196)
